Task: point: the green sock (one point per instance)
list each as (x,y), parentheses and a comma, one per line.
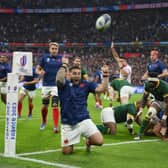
(144,124)
(103,129)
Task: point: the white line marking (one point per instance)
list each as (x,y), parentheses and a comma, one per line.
(18,156)
(46,163)
(131,142)
(38,153)
(83,147)
(41,162)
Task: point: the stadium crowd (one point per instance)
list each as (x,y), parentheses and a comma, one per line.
(70,4)
(140,25)
(136,26)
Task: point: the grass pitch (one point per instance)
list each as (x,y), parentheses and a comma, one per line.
(41,149)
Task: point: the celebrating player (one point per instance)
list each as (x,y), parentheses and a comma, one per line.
(125,68)
(75,117)
(47,69)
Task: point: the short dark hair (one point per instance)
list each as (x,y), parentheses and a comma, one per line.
(155,49)
(77,57)
(74,67)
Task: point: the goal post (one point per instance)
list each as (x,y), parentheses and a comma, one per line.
(22,65)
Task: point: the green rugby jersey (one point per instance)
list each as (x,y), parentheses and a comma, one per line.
(160,91)
(120,112)
(118,83)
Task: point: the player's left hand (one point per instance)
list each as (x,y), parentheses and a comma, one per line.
(65,60)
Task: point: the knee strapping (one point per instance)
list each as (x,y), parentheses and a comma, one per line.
(45,101)
(55,101)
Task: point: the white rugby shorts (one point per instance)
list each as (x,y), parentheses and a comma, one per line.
(107,115)
(70,134)
(48,91)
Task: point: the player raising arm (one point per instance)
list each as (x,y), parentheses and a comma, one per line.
(75,118)
(125,68)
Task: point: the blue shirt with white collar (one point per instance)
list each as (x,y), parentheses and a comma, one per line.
(73,101)
(50,65)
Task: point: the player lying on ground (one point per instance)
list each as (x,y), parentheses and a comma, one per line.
(159,89)
(155,127)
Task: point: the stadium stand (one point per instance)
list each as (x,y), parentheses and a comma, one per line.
(69,3)
(137,26)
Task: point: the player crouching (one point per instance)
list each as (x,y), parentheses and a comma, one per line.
(112,115)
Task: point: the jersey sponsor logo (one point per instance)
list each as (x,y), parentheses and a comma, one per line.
(81,85)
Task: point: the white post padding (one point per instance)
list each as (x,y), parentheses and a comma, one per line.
(11,115)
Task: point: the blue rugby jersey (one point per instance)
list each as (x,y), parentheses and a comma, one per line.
(157,66)
(5,68)
(73,101)
(51,66)
(30,78)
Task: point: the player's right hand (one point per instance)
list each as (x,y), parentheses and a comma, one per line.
(65,60)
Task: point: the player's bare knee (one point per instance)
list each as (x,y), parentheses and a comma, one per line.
(67,150)
(100,142)
(55,101)
(96,139)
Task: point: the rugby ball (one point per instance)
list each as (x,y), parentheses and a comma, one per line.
(103,22)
